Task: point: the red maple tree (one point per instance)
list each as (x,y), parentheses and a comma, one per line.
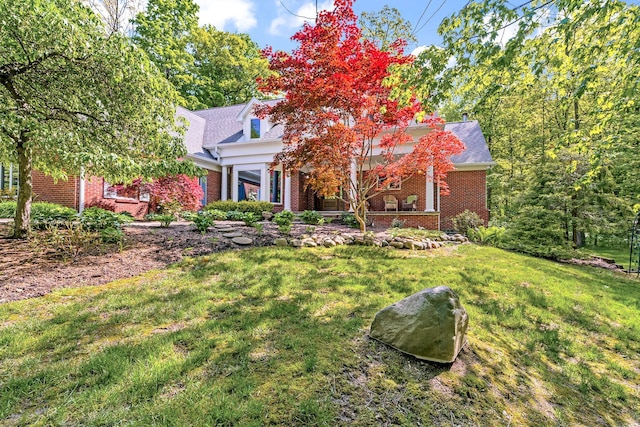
(340,118)
(180,190)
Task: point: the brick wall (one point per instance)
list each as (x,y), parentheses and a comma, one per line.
(62,192)
(416,185)
(468,190)
(214,186)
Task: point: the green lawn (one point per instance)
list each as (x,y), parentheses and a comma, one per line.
(620,253)
(279,337)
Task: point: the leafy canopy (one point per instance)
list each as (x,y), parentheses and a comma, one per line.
(339,116)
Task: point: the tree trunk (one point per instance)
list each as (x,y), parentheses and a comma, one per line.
(22,226)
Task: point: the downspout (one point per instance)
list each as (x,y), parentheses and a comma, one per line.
(81,197)
(438,205)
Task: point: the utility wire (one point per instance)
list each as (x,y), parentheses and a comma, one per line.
(431,17)
(423,12)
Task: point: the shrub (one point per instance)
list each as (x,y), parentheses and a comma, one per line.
(44,214)
(465,221)
(165,219)
(180,190)
(7,209)
(96,219)
(67,241)
(243,206)
(486,235)
(312,217)
(111,235)
(397,223)
(537,231)
(202,221)
(249,218)
(234,216)
(350,220)
(284,220)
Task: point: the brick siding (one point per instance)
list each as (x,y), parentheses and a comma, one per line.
(94,192)
(64,193)
(214,186)
(468,190)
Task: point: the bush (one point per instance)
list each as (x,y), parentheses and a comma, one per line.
(216,214)
(111,235)
(486,235)
(243,206)
(284,220)
(465,221)
(97,219)
(350,220)
(312,217)
(165,219)
(537,231)
(397,223)
(202,221)
(249,218)
(234,216)
(7,209)
(66,241)
(44,214)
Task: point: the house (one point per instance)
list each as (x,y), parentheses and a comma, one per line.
(236,149)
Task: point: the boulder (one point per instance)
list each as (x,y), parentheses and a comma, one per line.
(430,325)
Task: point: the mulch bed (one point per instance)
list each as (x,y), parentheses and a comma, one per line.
(29,269)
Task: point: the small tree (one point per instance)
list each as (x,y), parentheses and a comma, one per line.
(73,98)
(181,190)
(340,115)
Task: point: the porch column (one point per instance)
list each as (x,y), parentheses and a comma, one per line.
(234,184)
(224,192)
(81,196)
(287,192)
(264,183)
(354,177)
(429,205)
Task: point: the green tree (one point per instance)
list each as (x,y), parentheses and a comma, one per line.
(163,31)
(385,27)
(73,99)
(225,67)
(556,104)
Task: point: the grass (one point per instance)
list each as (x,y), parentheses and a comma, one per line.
(279,337)
(620,253)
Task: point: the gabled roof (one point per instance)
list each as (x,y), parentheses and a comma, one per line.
(194,134)
(477,151)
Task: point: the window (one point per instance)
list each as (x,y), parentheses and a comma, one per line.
(389,183)
(121,192)
(255,128)
(8,177)
(275,187)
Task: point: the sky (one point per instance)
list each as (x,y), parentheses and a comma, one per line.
(272,22)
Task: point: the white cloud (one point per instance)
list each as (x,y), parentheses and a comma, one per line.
(239,14)
(301,12)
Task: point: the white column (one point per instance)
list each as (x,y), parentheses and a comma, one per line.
(429,206)
(224,193)
(354,177)
(234,184)
(81,199)
(287,192)
(10,176)
(264,183)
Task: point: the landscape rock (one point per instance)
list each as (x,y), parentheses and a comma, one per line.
(242,241)
(430,325)
(297,243)
(231,235)
(281,241)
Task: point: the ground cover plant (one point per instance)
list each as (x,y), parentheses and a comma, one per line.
(278,336)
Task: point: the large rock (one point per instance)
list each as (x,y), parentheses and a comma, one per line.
(429,325)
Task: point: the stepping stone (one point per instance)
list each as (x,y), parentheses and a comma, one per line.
(232,235)
(243,241)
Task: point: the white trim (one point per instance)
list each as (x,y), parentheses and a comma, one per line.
(81,196)
(264,184)
(287,192)
(429,194)
(224,183)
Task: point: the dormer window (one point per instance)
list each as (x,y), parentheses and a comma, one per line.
(255,128)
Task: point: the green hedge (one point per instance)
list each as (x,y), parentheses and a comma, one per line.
(7,209)
(243,206)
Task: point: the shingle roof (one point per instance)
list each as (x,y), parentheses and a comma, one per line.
(194,135)
(220,125)
(470,133)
